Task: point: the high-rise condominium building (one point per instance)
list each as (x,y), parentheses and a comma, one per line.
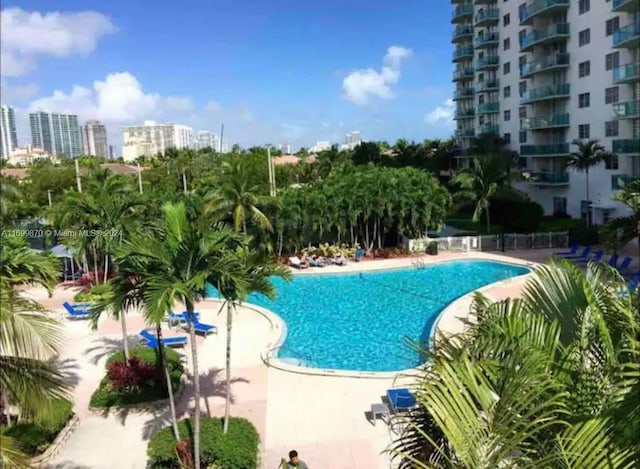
(206,139)
(150,139)
(8,135)
(56,133)
(94,139)
(544,73)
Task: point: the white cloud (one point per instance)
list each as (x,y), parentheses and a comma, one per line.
(359,85)
(119,98)
(28,34)
(17,93)
(442,113)
(212,106)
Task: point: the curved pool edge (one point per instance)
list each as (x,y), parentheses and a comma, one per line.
(271,360)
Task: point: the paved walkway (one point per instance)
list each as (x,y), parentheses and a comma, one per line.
(321,417)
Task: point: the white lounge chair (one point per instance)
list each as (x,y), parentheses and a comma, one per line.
(296,262)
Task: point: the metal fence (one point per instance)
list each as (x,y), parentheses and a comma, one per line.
(511,241)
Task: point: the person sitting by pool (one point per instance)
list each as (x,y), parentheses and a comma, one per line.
(318,261)
(339,259)
(295,462)
(304,260)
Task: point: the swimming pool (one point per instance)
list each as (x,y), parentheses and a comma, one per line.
(361,321)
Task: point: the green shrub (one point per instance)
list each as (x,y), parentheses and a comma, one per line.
(108,396)
(238,449)
(515,211)
(35,438)
(585,236)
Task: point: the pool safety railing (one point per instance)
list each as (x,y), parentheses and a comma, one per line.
(496,242)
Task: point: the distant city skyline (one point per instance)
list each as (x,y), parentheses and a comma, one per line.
(56,133)
(8,134)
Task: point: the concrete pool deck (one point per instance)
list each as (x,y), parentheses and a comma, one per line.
(322,417)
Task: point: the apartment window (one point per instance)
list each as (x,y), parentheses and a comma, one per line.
(584,37)
(559,206)
(507,115)
(612,161)
(506,44)
(584,6)
(584,131)
(611,129)
(612,25)
(507,139)
(611,95)
(506,68)
(612,60)
(522,88)
(584,100)
(481,99)
(506,92)
(584,68)
(522,112)
(506,19)
(522,137)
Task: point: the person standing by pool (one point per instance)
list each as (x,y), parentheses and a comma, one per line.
(295,462)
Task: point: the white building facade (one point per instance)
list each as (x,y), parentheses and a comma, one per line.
(544,73)
(8,134)
(206,139)
(149,139)
(94,139)
(56,133)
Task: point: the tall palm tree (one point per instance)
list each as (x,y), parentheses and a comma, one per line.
(536,382)
(252,274)
(178,263)
(628,226)
(589,153)
(10,194)
(480,182)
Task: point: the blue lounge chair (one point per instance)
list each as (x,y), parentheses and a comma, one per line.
(633,286)
(585,253)
(77,311)
(597,257)
(613,261)
(401,400)
(152,341)
(572,252)
(198,326)
(175,318)
(624,265)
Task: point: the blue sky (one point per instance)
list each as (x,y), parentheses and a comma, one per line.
(271,71)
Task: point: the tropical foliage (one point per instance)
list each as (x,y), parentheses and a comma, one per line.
(625,228)
(541,381)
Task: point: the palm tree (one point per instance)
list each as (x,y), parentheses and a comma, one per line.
(537,382)
(628,226)
(10,194)
(252,274)
(480,182)
(177,264)
(590,153)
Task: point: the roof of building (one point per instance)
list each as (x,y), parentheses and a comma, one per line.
(121,168)
(18,173)
(286,159)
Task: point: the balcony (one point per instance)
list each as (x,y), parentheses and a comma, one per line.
(545,64)
(488,129)
(465,133)
(628,110)
(542,178)
(463,93)
(618,181)
(464,114)
(627,37)
(488,63)
(540,123)
(629,73)
(546,93)
(463,74)
(491,39)
(542,8)
(552,149)
(488,86)
(626,146)
(546,35)
(461,33)
(488,17)
(628,6)
(462,53)
(489,108)
(462,13)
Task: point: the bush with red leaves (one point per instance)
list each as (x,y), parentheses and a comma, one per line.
(133,375)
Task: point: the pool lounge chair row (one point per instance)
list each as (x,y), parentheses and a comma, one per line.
(298,263)
(587,256)
(396,402)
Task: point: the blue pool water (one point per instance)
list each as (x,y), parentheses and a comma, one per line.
(362,321)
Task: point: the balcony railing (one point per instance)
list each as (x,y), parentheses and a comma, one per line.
(462,11)
(628,110)
(550,62)
(629,145)
(618,181)
(540,36)
(488,16)
(626,73)
(463,74)
(465,133)
(488,129)
(488,108)
(465,114)
(542,177)
(488,85)
(462,53)
(491,61)
(487,40)
(463,93)
(544,150)
(556,120)
(461,32)
(541,7)
(624,5)
(629,36)
(548,92)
